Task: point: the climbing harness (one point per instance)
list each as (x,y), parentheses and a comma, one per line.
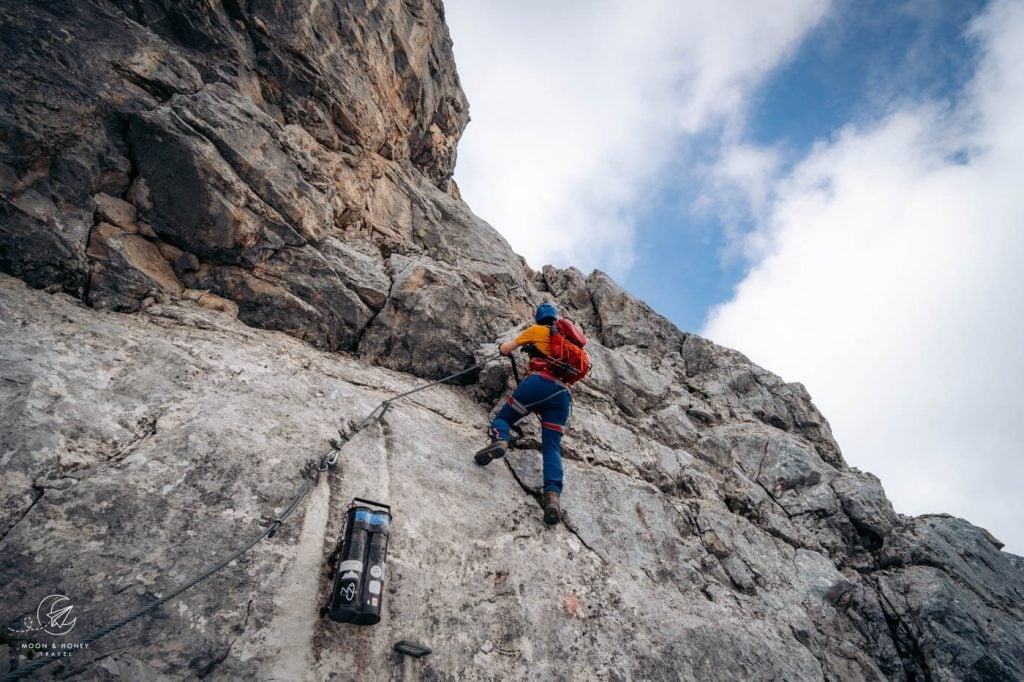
(310,471)
(527,406)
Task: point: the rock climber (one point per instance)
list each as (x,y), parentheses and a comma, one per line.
(540,392)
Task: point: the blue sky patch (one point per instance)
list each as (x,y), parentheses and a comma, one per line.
(862,62)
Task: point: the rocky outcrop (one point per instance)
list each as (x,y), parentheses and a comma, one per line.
(701,540)
(276,155)
(228,171)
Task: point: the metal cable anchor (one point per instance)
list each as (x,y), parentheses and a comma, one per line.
(330,460)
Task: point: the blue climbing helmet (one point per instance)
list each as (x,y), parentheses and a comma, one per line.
(546,311)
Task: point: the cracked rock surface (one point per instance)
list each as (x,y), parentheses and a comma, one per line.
(265,189)
(292,158)
(148,446)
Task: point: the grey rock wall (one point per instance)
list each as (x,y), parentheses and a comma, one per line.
(274,154)
(226,172)
(715,546)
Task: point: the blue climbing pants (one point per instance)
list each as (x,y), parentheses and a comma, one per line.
(550,399)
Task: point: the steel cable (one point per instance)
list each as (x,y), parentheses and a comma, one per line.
(313,471)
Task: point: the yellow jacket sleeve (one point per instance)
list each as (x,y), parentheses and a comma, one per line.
(539,336)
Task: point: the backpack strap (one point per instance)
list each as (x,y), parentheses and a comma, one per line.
(532,351)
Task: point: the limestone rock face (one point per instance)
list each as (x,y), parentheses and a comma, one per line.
(265,189)
(699,541)
(250,138)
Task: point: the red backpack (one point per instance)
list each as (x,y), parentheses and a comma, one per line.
(568,361)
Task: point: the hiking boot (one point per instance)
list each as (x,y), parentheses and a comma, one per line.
(552,511)
(493,451)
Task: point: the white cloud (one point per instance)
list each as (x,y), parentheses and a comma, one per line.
(750,169)
(576,106)
(887,277)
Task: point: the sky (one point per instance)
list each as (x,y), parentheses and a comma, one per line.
(833,188)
